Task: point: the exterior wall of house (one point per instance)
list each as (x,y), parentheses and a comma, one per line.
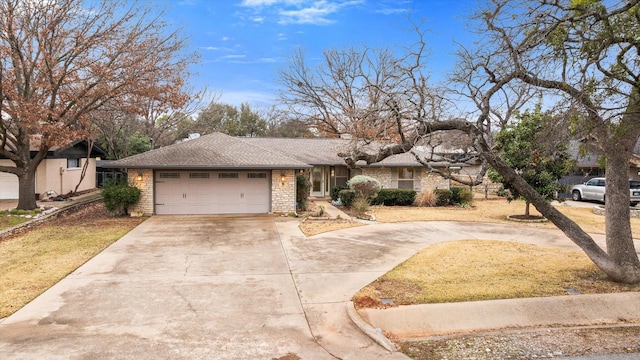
(283,194)
(430,181)
(53,174)
(144,207)
(381,174)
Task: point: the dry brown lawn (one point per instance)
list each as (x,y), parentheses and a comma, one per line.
(487,270)
(495,210)
(34,261)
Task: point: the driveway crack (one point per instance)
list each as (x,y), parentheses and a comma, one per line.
(293,280)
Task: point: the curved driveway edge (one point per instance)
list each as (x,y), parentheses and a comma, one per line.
(228,287)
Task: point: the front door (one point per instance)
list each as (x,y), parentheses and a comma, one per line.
(318,181)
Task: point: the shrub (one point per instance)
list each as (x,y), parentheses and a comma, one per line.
(365,186)
(302,191)
(395,197)
(119,196)
(360,206)
(443,197)
(347,196)
(335,192)
(461,196)
(426,199)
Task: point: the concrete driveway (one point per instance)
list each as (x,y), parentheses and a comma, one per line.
(194,287)
(224,287)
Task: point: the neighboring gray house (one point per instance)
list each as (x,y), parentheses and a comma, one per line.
(220,174)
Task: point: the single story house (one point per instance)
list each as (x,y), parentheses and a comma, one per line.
(58,173)
(220,174)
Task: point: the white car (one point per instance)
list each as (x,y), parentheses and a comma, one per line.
(594,189)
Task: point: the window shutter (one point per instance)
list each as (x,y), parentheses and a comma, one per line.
(417,179)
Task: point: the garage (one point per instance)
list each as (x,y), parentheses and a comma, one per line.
(212,192)
(8,186)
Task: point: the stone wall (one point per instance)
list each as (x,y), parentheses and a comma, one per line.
(145,205)
(381,174)
(283,194)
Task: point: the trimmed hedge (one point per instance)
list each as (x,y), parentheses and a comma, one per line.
(395,197)
(335,192)
(443,197)
(453,196)
(347,197)
(118,197)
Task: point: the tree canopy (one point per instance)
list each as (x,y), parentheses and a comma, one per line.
(537,151)
(60,61)
(579,56)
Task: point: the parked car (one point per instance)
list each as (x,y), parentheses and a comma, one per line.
(594,189)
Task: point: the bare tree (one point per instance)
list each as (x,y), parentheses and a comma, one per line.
(582,56)
(61,60)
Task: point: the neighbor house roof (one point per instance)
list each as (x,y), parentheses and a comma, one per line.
(213,151)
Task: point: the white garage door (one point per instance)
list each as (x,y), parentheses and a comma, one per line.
(8,186)
(212,192)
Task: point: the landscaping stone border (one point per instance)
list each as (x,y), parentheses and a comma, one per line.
(75,205)
(599,210)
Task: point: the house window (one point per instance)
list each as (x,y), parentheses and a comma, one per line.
(257,175)
(198,175)
(171,175)
(342,176)
(73,163)
(405,178)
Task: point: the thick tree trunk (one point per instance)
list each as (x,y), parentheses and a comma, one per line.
(27,190)
(624,273)
(617,215)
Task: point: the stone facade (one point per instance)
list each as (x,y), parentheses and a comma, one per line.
(145,205)
(430,181)
(381,174)
(283,193)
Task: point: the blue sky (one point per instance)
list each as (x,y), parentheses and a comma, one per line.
(244,43)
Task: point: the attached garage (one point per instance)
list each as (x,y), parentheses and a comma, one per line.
(212,192)
(213,174)
(8,186)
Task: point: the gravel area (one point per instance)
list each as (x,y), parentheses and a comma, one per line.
(528,344)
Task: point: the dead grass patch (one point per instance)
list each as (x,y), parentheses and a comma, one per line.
(474,270)
(34,261)
(494,211)
(316,226)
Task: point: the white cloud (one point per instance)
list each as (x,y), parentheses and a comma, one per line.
(313,12)
(231,57)
(225,38)
(390,11)
(260,3)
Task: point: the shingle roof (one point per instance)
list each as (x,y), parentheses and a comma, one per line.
(213,151)
(324,151)
(225,152)
(313,151)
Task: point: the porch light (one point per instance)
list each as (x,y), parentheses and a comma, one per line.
(139,178)
(283,177)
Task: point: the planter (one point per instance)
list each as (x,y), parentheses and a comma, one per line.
(527,219)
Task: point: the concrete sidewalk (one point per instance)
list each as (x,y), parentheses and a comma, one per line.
(420,321)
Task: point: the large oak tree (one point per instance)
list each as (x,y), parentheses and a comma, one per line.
(62,60)
(581,55)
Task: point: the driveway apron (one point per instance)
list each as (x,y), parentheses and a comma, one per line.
(190,287)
